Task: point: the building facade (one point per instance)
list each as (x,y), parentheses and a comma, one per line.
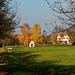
(63,38)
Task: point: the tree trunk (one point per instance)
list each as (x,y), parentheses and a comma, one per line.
(3,45)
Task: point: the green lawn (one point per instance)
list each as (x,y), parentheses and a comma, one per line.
(54,60)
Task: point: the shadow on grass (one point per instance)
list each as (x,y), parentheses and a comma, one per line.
(25,64)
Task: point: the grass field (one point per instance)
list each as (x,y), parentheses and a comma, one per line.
(54,60)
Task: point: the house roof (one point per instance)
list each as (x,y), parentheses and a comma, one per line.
(62,34)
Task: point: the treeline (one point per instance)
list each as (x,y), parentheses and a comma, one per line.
(34,34)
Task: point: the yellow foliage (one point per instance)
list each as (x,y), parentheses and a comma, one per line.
(36,31)
(24,39)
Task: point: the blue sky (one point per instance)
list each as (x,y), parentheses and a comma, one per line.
(35,12)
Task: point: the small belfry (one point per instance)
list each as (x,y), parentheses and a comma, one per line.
(31,44)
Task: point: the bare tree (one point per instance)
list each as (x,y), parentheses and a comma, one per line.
(58,29)
(44,36)
(65,10)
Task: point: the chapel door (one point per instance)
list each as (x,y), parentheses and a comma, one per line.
(31,45)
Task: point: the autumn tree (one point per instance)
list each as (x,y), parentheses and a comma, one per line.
(71,37)
(25,33)
(65,10)
(47,39)
(35,32)
(15,39)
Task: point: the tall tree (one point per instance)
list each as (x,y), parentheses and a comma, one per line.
(36,31)
(25,33)
(8,21)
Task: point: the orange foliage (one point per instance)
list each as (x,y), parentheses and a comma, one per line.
(25,35)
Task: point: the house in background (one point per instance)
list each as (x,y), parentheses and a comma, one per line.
(63,38)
